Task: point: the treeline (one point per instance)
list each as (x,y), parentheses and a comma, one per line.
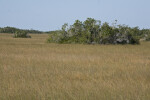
(13,30)
(92,31)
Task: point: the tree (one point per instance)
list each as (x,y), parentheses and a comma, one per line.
(64,29)
(92,27)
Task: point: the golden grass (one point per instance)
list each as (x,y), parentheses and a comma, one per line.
(31,69)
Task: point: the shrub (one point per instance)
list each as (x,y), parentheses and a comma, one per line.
(21,34)
(148,37)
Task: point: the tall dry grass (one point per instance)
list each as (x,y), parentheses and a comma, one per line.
(31,69)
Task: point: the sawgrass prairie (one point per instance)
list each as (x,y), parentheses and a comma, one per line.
(31,69)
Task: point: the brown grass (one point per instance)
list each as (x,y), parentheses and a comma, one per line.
(31,69)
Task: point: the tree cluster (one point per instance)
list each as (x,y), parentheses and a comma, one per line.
(13,30)
(91,31)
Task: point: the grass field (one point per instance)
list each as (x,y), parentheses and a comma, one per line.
(31,69)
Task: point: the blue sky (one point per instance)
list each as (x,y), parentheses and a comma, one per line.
(48,15)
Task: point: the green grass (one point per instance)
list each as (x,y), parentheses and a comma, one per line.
(31,69)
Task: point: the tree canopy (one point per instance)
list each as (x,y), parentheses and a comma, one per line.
(13,30)
(91,31)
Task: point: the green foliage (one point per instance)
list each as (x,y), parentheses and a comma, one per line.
(13,30)
(92,32)
(8,30)
(55,37)
(21,34)
(148,37)
(145,34)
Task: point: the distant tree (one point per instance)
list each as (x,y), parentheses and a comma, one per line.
(92,28)
(13,30)
(64,29)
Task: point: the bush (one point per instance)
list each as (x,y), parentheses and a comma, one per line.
(21,34)
(55,37)
(148,37)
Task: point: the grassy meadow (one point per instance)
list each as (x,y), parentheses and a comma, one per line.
(31,69)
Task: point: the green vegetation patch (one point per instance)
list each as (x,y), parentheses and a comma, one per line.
(21,34)
(91,31)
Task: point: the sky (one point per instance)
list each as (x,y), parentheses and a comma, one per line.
(48,15)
